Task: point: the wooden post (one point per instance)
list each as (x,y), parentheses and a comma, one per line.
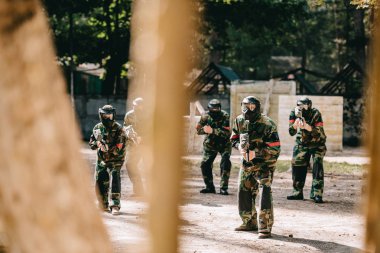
(373,140)
(199,107)
(159,49)
(191,132)
(46,202)
(267,97)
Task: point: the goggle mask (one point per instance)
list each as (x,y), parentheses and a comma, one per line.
(245,107)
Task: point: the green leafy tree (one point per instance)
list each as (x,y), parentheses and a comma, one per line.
(245,34)
(96,31)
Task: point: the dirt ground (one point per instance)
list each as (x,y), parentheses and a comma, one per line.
(208,220)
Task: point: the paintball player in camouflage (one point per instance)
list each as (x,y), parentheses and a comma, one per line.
(307,123)
(215,124)
(132,121)
(256,137)
(109,138)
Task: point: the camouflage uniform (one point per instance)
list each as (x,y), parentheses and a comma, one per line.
(133,156)
(308,144)
(216,142)
(109,162)
(256,176)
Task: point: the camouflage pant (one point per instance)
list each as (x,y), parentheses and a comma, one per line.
(252,183)
(133,157)
(225,167)
(300,163)
(102,179)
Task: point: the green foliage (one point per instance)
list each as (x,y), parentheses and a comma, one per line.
(365,3)
(100,33)
(343,168)
(245,34)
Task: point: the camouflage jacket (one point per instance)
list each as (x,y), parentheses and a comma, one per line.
(263,137)
(317,135)
(131,125)
(221,130)
(115,139)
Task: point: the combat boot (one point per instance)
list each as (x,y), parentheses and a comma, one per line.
(223,192)
(208,190)
(295,197)
(247,227)
(318,199)
(115,210)
(264,235)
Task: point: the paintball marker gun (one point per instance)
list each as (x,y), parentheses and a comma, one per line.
(244,139)
(99,137)
(244,144)
(298,114)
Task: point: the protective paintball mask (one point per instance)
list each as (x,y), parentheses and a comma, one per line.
(303,109)
(215,112)
(107,120)
(250,112)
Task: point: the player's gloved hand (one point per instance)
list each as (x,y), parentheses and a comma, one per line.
(296,123)
(103,148)
(307,127)
(207,129)
(248,157)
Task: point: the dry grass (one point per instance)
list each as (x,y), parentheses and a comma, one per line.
(284,165)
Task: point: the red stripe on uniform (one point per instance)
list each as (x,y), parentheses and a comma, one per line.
(119,145)
(291,121)
(274,144)
(234,136)
(318,124)
(227,128)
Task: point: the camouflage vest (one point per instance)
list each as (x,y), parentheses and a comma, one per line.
(114,138)
(263,136)
(221,128)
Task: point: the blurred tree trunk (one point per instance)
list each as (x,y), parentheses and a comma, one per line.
(373,140)
(160,50)
(46,203)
